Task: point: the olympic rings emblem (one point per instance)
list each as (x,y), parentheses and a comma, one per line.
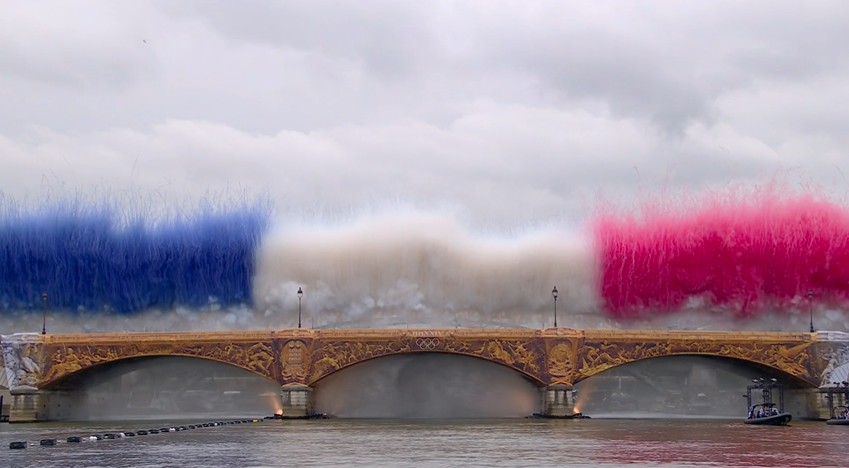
(427,343)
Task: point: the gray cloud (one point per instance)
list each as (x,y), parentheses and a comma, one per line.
(506,114)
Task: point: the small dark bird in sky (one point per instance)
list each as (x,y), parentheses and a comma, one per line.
(144,40)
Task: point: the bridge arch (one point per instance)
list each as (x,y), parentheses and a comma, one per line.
(326,368)
(796,376)
(159,386)
(62,380)
(427,385)
(788,353)
(521,352)
(62,361)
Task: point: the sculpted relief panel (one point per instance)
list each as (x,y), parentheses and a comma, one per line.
(793,358)
(21,355)
(835,360)
(561,363)
(64,360)
(331,355)
(295,359)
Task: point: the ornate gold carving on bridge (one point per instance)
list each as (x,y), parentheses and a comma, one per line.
(61,361)
(561,356)
(560,363)
(792,358)
(295,358)
(334,354)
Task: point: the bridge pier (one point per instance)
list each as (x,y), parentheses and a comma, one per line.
(810,403)
(558,401)
(27,405)
(297,401)
(816,401)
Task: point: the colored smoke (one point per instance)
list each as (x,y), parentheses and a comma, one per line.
(98,258)
(423,269)
(221,265)
(749,255)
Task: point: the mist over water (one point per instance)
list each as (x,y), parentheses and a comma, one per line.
(687,386)
(163,387)
(451,386)
(426,386)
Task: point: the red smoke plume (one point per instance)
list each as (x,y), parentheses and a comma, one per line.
(741,255)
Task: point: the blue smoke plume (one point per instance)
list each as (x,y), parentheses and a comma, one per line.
(96,257)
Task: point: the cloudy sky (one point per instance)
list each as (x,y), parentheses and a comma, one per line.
(503,113)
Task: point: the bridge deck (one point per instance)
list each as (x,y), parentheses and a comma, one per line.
(592,334)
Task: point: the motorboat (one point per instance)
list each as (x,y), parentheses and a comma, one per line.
(767,414)
(840,416)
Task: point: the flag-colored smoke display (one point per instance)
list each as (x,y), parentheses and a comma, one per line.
(95,258)
(739,256)
(768,252)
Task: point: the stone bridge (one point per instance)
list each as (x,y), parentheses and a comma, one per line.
(554,359)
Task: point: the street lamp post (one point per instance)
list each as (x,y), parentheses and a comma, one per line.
(811,308)
(44,313)
(554,294)
(300,295)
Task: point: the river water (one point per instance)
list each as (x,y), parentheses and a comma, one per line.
(437,443)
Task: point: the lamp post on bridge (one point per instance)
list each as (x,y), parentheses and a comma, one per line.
(554,295)
(300,295)
(44,313)
(811,308)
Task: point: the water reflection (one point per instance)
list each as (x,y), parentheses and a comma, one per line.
(432,443)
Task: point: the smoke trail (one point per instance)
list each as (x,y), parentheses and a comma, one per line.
(747,253)
(413,268)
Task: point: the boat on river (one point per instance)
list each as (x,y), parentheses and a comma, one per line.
(838,391)
(840,416)
(767,414)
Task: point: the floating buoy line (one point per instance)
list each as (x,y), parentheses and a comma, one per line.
(122,435)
